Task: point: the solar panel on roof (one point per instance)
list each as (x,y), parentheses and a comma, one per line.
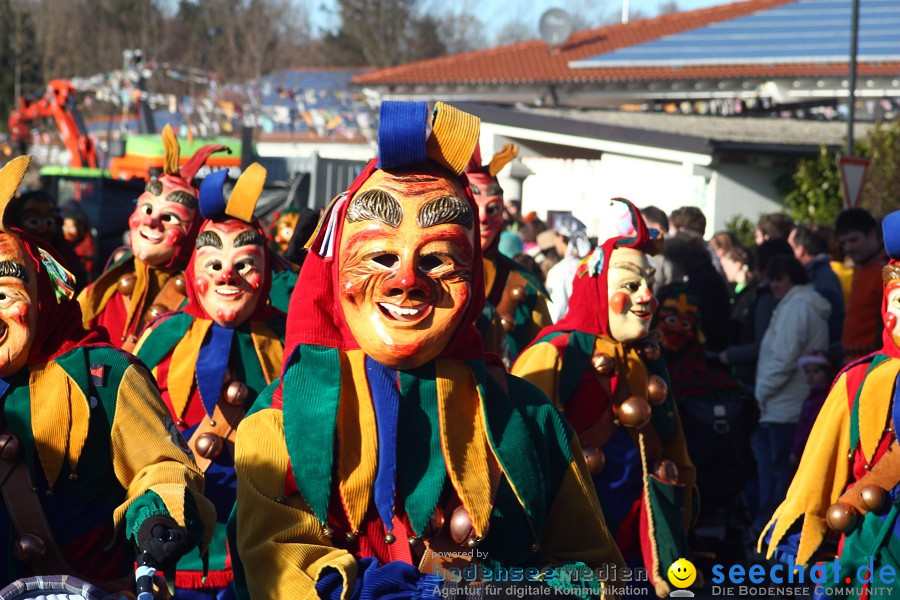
(803,31)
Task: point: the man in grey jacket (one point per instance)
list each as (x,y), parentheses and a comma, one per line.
(798,324)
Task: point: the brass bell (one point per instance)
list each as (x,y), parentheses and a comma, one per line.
(461,529)
(126,284)
(29,549)
(236,393)
(434,525)
(9,447)
(657,390)
(209,445)
(603,363)
(635,412)
(872,497)
(595,459)
(180,285)
(841,517)
(651,351)
(666,471)
(155,311)
(517,292)
(390,538)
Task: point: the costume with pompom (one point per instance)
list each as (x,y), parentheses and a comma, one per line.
(198,363)
(515,297)
(852,447)
(647,515)
(100,452)
(130,293)
(329,509)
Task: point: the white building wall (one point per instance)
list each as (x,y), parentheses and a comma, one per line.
(742,190)
(581,186)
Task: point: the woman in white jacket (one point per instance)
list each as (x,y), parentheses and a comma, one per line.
(799,323)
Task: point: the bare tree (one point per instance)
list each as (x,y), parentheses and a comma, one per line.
(668,7)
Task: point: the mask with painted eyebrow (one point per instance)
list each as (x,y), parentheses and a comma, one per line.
(18,305)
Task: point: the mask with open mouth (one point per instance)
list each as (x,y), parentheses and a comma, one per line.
(406,257)
(18,304)
(229,270)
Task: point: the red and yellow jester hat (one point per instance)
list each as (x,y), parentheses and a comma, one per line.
(589,304)
(178,178)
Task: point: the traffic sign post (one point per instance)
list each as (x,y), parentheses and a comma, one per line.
(853,177)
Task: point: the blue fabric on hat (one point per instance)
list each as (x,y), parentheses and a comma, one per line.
(402,134)
(212,362)
(891,228)
(212,198)
(384,385)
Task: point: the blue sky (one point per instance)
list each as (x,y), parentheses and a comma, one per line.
(497,13)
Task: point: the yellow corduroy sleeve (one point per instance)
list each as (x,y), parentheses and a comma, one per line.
(279,539)
(540,365)
(540,318)
(148,456)
(820,479)
(575,530)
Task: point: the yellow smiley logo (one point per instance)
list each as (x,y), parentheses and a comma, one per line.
(682,573)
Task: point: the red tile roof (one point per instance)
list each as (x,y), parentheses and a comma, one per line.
(535,62)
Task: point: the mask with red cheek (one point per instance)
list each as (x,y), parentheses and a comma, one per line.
(892,311)
(18,305)
(489,197)
(165,215)
(229,271)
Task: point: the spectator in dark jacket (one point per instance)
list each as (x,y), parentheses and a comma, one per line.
(811,249)
(689,253)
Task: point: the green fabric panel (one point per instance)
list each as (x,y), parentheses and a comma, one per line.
(509,540)
(264,400)
(283,283)
(147,505)
(17,415)
(247,367)
(575,359)
(192,561)
(422,471)
(667,508)
(75,364)
(854,410)
(237,567)
(662,416)
(485,318)
(164,338)
(518,338)
(311,395)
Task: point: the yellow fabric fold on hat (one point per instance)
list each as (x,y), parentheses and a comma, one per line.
(183,363)
(172,151)
(464,440)
(820,479)
(11,176)
(502,158)
(357,442)
(246,192)
(454,135)
(59,418)
(269,350)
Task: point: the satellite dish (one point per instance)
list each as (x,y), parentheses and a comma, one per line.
(555,26)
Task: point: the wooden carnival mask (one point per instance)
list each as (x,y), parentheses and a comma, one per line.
(405,271)
(488,193)
(631,301)
(229,270)
(678,321)
(284,229)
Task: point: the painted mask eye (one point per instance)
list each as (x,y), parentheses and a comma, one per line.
(387,260)
(492,210)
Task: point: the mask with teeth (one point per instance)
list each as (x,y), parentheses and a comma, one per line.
(405,271)
(631,302)
(229,271)
(18,304)
(163,220)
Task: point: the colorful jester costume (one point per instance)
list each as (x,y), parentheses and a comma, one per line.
(601,382)
(847,485)
(90,459)
(148,281)
(416,447)
(515,296)
(213,358)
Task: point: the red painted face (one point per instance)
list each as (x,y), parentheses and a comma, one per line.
(18,305)
(489,197)
(228,277)
(405,268)
(159,222)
